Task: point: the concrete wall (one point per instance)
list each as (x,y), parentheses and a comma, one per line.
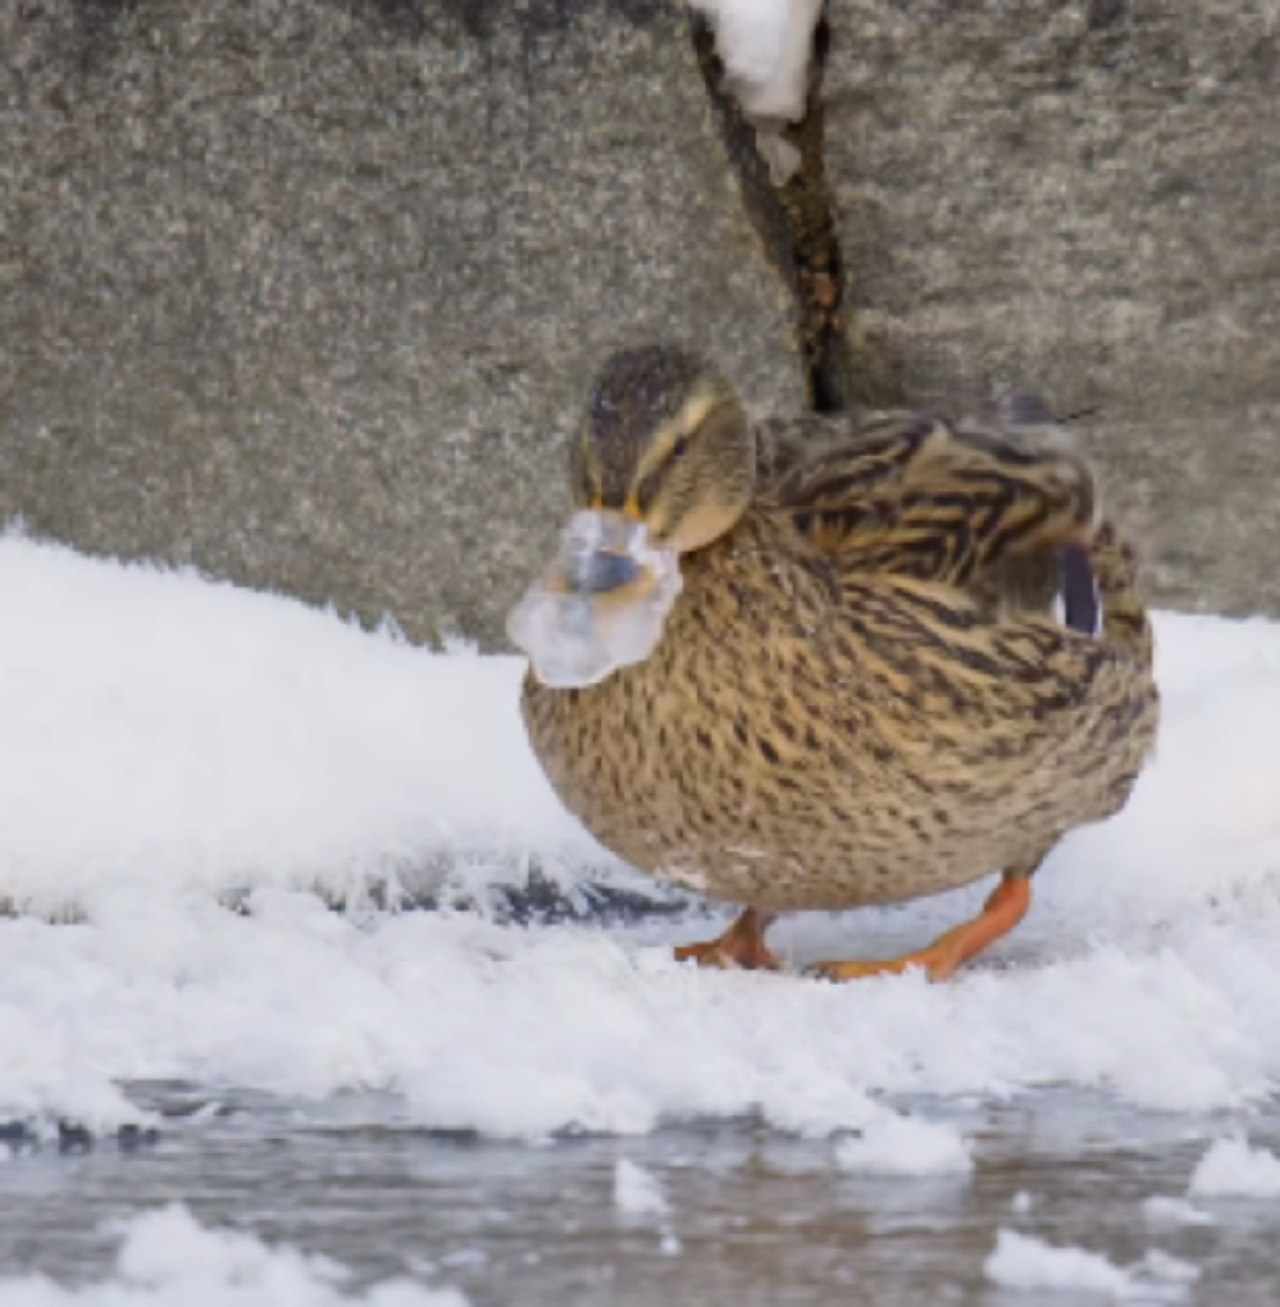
(1083,199)
(308,294)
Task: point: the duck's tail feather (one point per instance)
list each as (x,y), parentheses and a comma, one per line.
(1081,600)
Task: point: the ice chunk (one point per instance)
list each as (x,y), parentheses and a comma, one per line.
(638,1195)
(1231,1169)
(638,1192)
(600,606)
(905,1145)
(1021,1262)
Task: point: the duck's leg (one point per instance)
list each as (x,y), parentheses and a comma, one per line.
(742,945)
(1006,907)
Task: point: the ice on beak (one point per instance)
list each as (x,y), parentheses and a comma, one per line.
(601,605)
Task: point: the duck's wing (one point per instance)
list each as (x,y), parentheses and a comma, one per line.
(1006,515)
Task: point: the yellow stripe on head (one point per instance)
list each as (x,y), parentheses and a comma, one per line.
(686,422)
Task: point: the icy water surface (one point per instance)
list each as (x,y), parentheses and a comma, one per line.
(753,1216)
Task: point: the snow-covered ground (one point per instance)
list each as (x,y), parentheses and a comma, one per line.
(172,751)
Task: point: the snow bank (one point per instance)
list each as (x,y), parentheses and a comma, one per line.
(165,737)
(167,1259)
(167,731)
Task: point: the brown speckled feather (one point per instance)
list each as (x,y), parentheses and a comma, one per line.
(861,694)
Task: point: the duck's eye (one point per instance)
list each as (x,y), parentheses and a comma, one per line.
(680,448)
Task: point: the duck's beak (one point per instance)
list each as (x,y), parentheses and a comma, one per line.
(599,572)
(602,556)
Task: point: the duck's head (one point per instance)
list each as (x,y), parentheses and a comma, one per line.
(663,464)
(666,443)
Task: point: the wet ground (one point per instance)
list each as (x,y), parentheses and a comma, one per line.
(755,1217)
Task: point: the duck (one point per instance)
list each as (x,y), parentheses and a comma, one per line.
(908,653)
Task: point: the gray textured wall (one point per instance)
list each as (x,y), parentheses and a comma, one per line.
(307,294)
(1084,198)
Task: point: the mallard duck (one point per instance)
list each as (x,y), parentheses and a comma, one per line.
(908,654)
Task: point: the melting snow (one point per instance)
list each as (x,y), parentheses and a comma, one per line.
(167,1259)
(766,46)
(167,739)
(637,1191)
(638,1194)
(1161,1209)
(905,1145)
(1231,1169)
(767,49)
(1021,1262)
(1164,1268)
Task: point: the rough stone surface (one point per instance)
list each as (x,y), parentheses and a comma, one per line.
(1082,199)
(307,295)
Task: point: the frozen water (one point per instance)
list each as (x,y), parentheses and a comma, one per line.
(602,604)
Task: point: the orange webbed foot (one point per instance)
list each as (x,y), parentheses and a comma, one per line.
(1006,907)
(741,946)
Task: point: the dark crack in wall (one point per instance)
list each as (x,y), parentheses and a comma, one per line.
(845,365)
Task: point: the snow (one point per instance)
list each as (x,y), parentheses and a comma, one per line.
(1021,1261)
(637,1191)
(767,50)
(1164,1209)
(905,1145)
(183,763)
(167,1259)
(1231,1169)
(1164,1268)
(766,46)
(167,731)
(639,1195)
